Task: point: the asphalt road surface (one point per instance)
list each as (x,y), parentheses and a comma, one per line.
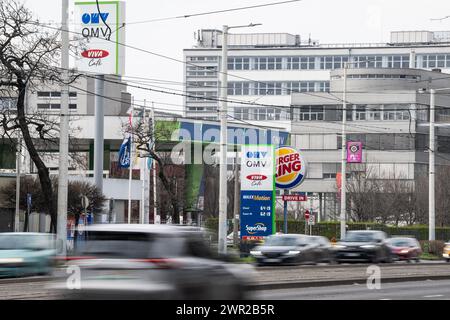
(302,277)
(413,290)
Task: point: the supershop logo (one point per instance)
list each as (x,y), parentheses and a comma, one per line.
(258,227)
(290,168)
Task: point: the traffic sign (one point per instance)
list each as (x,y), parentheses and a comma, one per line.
(312,220)
(307,215)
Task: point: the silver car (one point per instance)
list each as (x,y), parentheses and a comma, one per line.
(152,262)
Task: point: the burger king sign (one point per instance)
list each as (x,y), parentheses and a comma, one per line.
(290,168)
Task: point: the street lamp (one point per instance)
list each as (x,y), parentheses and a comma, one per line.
(344,149)
(432,167)
(223,114)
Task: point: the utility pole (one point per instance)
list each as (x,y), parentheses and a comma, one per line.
(431,169)
(143,166)
(343,155)
(130,169)
(99,134)
(236,201)
(223,114)
(146,176)
(156,218)
(18,173)
(61,228)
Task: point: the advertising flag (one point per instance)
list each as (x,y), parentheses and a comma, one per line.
(124,153)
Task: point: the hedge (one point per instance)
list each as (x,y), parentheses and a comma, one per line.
(331,229)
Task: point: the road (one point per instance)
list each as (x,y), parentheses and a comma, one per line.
(414,290)
(329,282)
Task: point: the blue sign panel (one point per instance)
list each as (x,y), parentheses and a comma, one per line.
(256,214)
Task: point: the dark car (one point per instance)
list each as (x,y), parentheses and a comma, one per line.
(151,262)
(286,249)
(323,250)
(405,249)
(364,245)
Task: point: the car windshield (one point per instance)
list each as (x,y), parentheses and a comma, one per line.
(284,241)
(400,242)
(360,237)
(26,242)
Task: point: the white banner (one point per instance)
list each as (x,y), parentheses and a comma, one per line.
(100,51)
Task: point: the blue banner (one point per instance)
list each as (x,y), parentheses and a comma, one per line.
(256,214)
(124,153)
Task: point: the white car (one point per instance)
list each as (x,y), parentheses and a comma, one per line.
(230,238)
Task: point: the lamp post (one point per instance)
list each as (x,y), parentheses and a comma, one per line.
(223,114)
(343,156)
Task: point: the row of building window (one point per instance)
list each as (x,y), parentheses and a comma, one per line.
(54,106)
(335,62)
(54,94)
(276,88)
(428,61)
(260,114)
(354,112)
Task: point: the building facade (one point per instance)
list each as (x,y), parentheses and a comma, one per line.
(265,69)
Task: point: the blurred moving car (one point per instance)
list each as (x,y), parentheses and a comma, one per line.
(289,249)
(446,253)
(404,248)
(153,262)
(26,254)
(324,250)
(363,245)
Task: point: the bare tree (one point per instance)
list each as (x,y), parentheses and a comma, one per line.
(144,140)
(29,57)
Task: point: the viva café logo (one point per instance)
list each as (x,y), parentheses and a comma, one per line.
(93,29)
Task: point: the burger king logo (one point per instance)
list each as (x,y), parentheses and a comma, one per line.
(290,168)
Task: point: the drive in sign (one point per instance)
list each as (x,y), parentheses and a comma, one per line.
(257,191)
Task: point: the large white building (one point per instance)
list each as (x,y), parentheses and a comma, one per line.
(284,81)
(264,69)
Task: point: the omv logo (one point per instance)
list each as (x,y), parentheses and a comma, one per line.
(94,18)
(258,227)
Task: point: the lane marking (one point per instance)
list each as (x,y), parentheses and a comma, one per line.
(434,296)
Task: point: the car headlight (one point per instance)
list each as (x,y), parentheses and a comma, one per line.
(11,260)
(340,246)
(368,246)
(293,253)
(256,253)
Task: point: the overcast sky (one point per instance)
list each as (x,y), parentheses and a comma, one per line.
(329,21)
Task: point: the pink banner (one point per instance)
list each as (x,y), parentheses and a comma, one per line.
(354,152)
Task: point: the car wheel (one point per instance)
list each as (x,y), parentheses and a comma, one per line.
(448,260)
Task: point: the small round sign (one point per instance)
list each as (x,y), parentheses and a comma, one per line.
(290,168)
